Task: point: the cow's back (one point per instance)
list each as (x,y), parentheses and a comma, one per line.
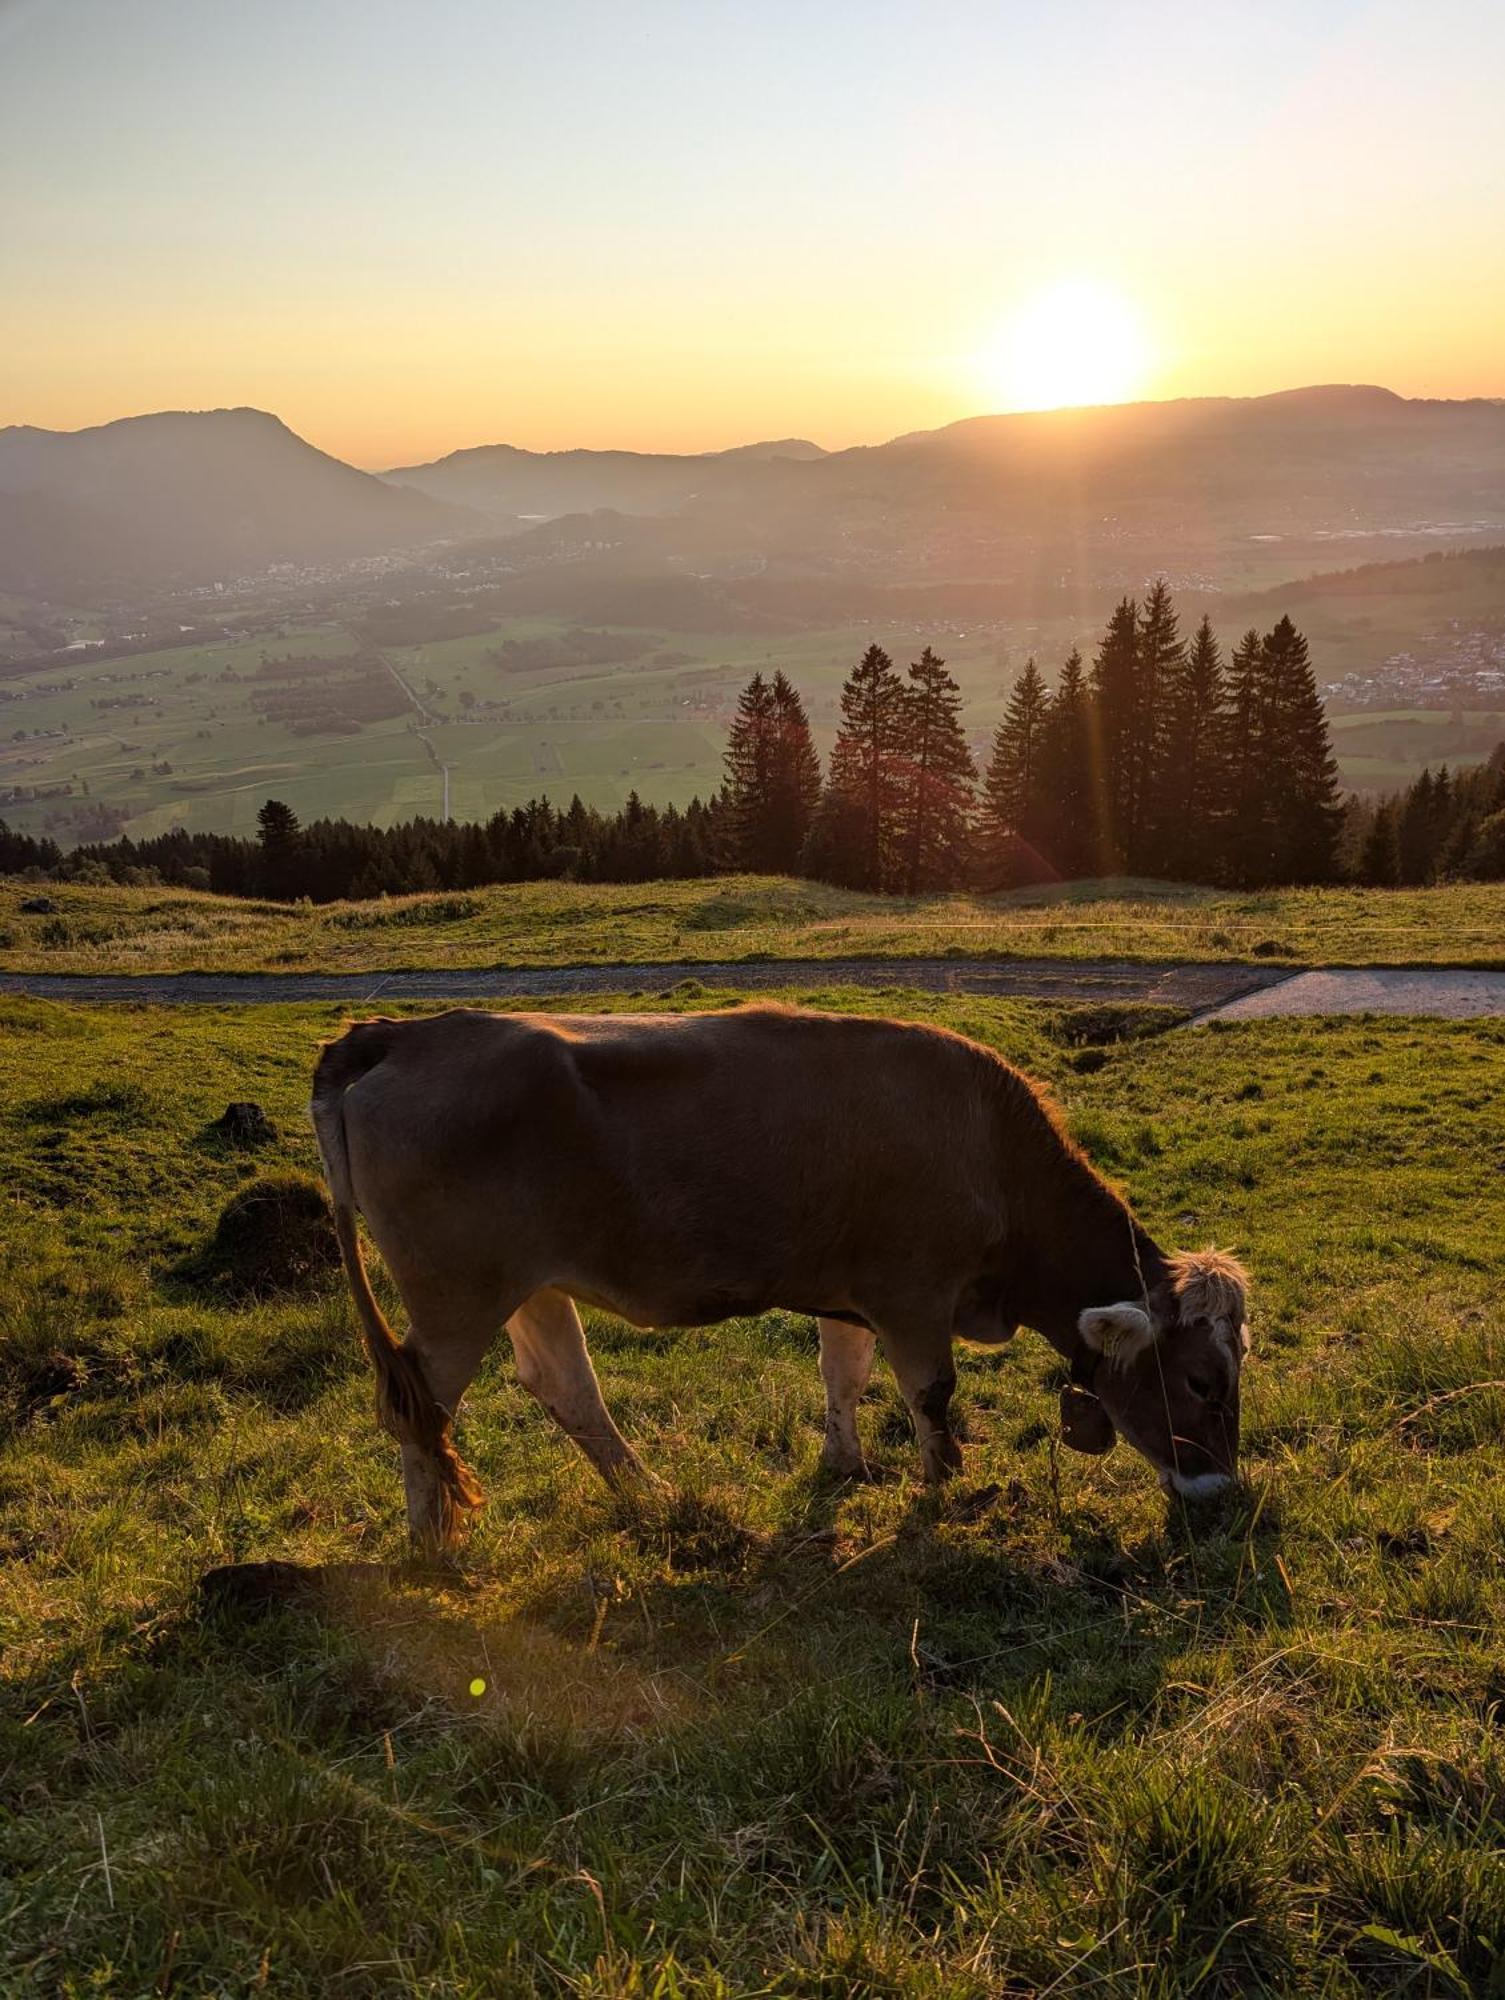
(683,1166)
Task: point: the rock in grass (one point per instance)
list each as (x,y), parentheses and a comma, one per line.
(275,1236)
(39,906)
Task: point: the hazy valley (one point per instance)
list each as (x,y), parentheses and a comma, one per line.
(197,610)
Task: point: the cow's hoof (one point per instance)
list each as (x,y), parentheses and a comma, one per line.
(941,1462)
(849,1470)
(634,1480)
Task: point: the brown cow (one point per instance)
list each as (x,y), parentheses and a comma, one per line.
(896,1181)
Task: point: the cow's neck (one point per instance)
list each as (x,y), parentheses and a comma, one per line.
(1098,1258)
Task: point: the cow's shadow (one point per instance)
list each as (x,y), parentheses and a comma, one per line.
(976,1591)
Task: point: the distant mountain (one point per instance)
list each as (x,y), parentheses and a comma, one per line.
(1137,481)
(1222,493)
(190,497)
(1217,489)
(506,482)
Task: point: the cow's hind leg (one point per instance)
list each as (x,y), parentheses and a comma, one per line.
(554,1365)
(920,1356)
(449,1339)
(846,1362)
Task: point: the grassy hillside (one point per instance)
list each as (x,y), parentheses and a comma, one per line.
(769,1737)
(551,923)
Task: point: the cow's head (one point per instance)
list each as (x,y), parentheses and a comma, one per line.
(1165,1372)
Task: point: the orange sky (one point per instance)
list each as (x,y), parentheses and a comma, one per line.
(679,227)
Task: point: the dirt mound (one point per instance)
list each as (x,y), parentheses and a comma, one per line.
(275,1237)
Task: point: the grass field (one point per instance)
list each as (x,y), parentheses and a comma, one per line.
(769,1736)
(733,917)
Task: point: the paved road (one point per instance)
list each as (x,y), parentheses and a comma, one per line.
(1208,992)
(1373,990)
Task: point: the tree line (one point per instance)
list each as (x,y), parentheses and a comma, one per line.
(1160,757)
(1443,826)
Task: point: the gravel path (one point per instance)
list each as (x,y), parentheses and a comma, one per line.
(1209,992)
(1198,988)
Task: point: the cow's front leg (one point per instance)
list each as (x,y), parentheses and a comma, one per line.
(920,1357)
(846,1362)
(554,1365)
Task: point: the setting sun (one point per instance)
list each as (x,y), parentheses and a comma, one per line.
(1081,341)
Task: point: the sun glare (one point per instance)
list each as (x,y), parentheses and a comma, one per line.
(1080,342)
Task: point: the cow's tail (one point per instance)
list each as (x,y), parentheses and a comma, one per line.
(405,1405)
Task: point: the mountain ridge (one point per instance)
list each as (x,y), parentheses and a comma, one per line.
(182,497)
(174,498)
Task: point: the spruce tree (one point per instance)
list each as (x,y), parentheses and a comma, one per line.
(1192,796)
(278,836)
(749,777)
(939,778)
(1115,695)
(1067,783)
(1301,775)
(1151,786)
(855,837)
(794,789)
(1246,848)
(1379,860)
(1416,831)
(1009,821)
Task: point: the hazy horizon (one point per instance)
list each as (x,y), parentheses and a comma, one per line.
(408,232)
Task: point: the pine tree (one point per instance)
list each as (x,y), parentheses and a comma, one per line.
(1416,831)
(794,790)
(940,775)
(749,777)
(1301,775)
(854,840)
(1194,763)
(1379,860)
(1115,695)
(1009,822)
(1153,783)
(1067,782)
(278,836)
(1246,848)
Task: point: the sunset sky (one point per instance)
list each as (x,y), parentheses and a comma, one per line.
(409,225)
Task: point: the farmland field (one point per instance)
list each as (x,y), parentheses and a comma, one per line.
(767,1736)
(1382,749)
(734,917)
(195,736)
(650,716)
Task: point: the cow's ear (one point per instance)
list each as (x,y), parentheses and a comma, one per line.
(1119,1333)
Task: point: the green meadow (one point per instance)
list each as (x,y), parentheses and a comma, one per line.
(767,1735)
(728,918)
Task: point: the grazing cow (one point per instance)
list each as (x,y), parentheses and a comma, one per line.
(899,1182)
